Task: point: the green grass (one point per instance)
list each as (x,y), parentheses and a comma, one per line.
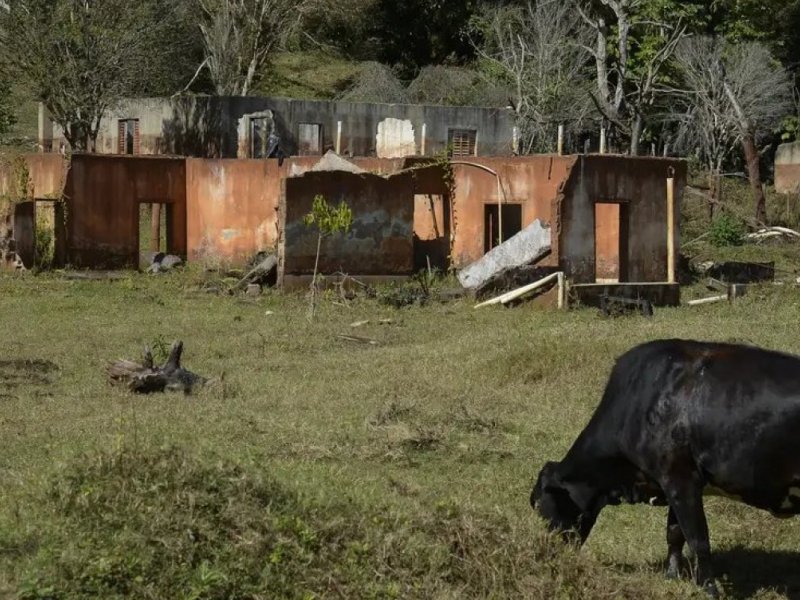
(328,468)
(316,75)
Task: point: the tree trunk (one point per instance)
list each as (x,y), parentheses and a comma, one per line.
(754,173)
(636,133)
(714,191)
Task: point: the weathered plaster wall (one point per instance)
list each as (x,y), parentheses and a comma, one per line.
(639,184)
(232,204)
(213,127)
(787,168)
(532,181)
(232,207)
(380,241)
(46,173)
(103,194)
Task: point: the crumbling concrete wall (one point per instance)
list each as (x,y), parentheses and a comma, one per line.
(46,176)
(787,168)
(639,186)
(232,204)
(232,208)
(216,127)
(380,242)
(534,182)
(103,195)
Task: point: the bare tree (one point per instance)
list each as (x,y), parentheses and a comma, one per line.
(539,51)
(240,35)
(81,56)
(626,89)
(731,94)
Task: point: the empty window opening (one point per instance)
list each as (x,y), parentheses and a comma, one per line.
(45,223)
(610,239)
(129,136)
(511,224)
(152,231)
(462,142)
(309,139)
(259,136)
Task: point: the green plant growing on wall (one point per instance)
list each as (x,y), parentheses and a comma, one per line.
(328,220)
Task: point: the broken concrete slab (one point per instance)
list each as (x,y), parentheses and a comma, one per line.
(524,248)
(164,262)
(262,273)
(329,162)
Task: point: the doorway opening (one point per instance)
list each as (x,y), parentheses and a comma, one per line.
(610,242)
(511,224)
(152,231)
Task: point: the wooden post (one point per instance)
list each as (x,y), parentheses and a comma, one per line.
(561,140)
(422,141)
(155,227)
(499,211)
(338,137)
(603,138)
(671,226)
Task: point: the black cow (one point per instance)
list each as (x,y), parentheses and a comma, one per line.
(680,419)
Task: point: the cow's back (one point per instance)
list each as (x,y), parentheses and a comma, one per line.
(733,410)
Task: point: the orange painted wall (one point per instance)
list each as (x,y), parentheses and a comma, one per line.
(532,181)
(607,238)
(103,194)
(232,204)
(46,173)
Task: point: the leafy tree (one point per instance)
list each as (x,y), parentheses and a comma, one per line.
(7,114)
(414,33)
(328,220)
(82,56)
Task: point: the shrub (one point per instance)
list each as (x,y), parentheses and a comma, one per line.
(727,230)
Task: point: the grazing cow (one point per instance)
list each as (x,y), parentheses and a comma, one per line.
(680,419)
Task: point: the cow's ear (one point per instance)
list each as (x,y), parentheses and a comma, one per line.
(581,494)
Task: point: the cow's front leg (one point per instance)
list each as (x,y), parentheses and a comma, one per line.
(686,500)
(675,542)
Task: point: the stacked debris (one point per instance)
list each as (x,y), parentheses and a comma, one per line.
(262,270)
(508,260)
(512,266)
(161,263)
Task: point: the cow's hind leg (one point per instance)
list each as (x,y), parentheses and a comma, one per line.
(685,497)
(675,542)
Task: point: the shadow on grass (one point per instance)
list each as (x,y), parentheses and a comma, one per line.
(742,572)
(745,571)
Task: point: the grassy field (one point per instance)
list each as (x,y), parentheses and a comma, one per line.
(319,467)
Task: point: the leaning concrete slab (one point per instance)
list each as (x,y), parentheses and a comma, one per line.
(525,248)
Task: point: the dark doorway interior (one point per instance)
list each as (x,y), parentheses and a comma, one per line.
(511,224)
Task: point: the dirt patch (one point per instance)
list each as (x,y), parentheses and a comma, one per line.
(26,372)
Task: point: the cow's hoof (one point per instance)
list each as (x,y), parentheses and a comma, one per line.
(673,573)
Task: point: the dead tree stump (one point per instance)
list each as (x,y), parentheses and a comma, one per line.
(145,378)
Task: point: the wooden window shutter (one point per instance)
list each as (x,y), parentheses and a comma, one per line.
(462,142)
(136,142)
(121,130)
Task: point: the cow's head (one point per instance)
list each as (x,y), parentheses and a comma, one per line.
(570,508)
